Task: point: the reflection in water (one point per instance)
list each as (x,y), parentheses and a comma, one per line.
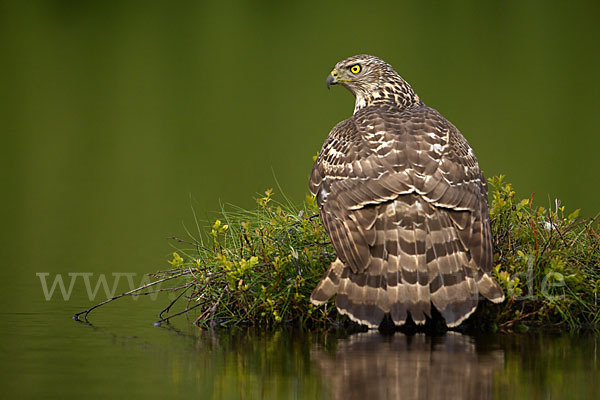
(371,366)
(289,364)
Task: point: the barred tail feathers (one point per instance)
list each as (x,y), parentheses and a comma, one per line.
(417,258)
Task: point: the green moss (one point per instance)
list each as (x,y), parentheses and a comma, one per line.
(259,267)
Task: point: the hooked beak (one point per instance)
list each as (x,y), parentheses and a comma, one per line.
(332,78)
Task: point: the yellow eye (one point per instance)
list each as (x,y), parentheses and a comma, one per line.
(355,69)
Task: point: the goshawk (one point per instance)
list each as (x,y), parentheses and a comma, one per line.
(404,202)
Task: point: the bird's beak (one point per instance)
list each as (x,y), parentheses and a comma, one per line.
(332,78)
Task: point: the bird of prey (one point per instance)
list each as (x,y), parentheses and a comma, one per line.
(404,202)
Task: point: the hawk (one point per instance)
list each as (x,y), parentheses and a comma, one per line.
(404,203)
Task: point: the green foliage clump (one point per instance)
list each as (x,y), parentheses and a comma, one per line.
(547,261)
(259,267)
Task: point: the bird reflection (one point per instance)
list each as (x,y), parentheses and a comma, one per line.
(371,366)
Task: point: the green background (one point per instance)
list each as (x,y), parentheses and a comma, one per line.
(116,114)
(118,117)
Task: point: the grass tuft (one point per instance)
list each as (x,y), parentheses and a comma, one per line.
(258,267)
(547,261)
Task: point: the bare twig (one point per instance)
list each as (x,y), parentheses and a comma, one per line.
(214,307)
(131,292)
(174,289)
(211,310)
(168,317)
(189,285)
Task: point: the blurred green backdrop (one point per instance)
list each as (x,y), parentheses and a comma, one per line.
(117,116)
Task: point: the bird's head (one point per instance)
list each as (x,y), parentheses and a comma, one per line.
(358,74)
(371,79)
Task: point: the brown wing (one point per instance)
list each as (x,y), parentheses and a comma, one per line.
(376,156)
(385,180)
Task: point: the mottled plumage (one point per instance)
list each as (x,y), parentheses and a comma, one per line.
(404,202)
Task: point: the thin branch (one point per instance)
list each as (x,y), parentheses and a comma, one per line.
(174,289)
(168,317)
(131,292)
(213,310)
(210,310)
(189,285)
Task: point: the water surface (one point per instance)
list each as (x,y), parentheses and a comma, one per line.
(122,355)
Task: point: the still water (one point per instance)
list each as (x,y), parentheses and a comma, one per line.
(122,355)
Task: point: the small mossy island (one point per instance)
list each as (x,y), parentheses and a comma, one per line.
(258,268)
